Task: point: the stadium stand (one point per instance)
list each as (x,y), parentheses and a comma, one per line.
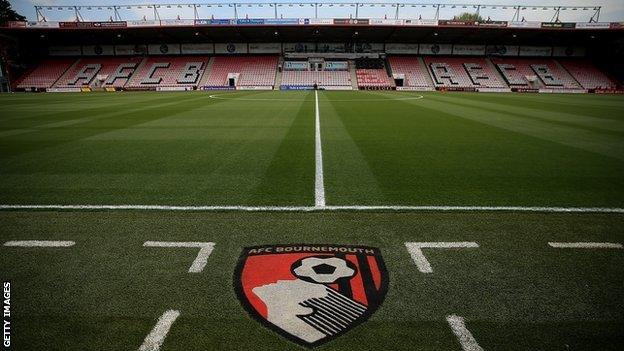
(372,74)
(86,72)
(462,72)
(45,74)
(296,73)
(587,74)
(517,72)
(321,78)
(373,78)
(169,72)
(412,68)
(258,71)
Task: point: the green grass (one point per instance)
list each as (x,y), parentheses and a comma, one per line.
(444,149)
(465,149)
(160,148)
(514,291)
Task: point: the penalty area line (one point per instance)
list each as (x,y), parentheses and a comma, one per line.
(464,336)
(205,249)
(39,243)
(415,251)
(156,337)
(585,245)
(327,208)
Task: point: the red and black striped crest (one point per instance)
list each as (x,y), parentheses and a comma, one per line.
(311,293)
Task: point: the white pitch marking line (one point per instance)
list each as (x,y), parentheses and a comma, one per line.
(156,337)
(464,336)
(205,249)
(319,186)
(39,243)
(480,208)
(415,250)
(218,96)
(586,245)
(355,208)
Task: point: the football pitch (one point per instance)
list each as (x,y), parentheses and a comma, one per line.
(127,220)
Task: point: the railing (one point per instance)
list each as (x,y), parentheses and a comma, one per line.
(276,10)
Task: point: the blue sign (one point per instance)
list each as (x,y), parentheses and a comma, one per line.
(252,21)
(213,22)
(217,87)
(281,21)
(220,21)
(296,87)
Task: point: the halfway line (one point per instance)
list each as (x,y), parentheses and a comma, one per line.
(319,186)
(353,208)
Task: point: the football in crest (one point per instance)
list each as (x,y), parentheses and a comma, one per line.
(312,293)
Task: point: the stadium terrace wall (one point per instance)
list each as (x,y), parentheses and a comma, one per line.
(327,49)
(362,33)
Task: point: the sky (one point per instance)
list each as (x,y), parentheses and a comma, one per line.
(612,10)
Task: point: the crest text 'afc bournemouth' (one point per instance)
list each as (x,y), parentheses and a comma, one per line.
(311,293)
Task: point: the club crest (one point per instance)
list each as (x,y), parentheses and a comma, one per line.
(311,293)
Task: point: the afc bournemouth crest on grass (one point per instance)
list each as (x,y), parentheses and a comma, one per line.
(311,293)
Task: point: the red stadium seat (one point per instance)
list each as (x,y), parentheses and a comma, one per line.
(169,71)
(549,73)
(86,70)
(462,72)
(253,71)
(587,74)
(373,78)
(260,71)
(415,75)
(321,78)
(45,74)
